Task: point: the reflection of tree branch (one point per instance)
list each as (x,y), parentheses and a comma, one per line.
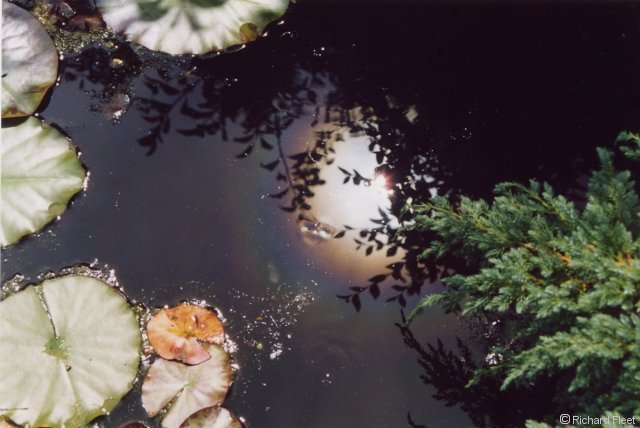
(283,159)
(402,160)
(304,173)
(486,404)
(164,109)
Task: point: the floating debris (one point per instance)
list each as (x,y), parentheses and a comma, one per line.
(314,231)
(116,106)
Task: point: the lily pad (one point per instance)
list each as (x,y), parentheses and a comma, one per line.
(212,417)
(29,62)
(40,173)
(190,26)
(175,333)
(69,351)
(188,388)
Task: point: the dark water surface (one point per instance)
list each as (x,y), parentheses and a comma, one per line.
(179,204)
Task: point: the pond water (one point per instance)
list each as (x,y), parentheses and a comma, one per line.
(190,160)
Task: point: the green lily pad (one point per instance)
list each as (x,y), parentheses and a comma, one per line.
(29,62)
(190,26)
(40,173)
(212,417)
(69,350)
(185,389)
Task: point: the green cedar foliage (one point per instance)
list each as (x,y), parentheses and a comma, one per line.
(564,278)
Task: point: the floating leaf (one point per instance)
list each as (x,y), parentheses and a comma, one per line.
(29,62)
(175,333)
(40,173)
(69,351)
(187,388)
(190,26)
(212,417)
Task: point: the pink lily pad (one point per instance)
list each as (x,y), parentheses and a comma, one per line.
(177,333)
(212,417)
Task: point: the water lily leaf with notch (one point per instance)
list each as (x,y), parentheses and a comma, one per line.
(69,350)
(40,173)
(29,62)
(175,333)
(212,417)
(188,388)
(190,26)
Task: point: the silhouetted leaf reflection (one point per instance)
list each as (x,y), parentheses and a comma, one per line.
(209,104)
(487,406)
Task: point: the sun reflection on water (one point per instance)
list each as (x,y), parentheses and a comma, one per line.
(338,203)
(340,209)
(381,185)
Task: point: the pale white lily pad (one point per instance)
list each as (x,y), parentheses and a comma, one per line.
(190,26)
(40,173)
(186,389)
(29,61)
(69,350)
(212,417)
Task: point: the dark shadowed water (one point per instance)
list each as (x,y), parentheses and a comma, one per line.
(190,162)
